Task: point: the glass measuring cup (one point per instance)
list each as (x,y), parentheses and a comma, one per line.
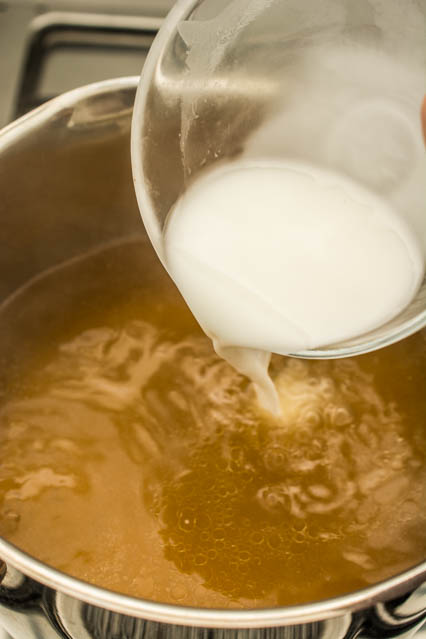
(334,84)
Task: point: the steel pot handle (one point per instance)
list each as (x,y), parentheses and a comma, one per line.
(22,609)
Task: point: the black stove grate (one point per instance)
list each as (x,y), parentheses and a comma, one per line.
(64,53)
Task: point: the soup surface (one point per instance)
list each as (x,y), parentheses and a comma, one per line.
(134,458)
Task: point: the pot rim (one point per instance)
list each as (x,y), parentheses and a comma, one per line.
(161,612)
(211,617)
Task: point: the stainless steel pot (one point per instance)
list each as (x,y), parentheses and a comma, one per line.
(65,188)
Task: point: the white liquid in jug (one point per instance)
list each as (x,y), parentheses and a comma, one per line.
(282,257)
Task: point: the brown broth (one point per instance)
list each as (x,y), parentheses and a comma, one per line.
(136,459)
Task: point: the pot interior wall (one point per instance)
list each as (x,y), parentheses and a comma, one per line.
(66,187)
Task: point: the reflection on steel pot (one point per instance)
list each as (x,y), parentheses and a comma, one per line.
(52,210)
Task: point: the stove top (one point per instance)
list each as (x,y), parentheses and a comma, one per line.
(51,47)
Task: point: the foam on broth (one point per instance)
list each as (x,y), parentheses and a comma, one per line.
(138,460)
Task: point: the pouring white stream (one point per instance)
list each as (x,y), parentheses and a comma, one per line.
(283,257)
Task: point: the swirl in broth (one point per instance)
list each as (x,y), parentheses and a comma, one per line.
(138,460)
